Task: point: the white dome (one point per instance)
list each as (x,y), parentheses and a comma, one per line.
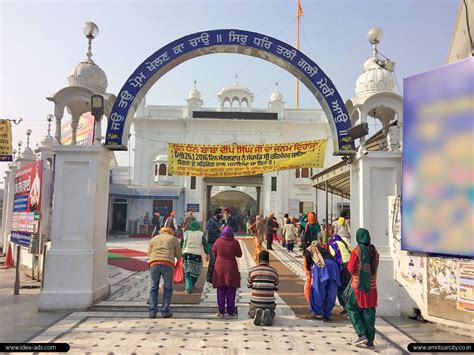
(47,141)
(374,79)
(161,158)
(276,96)
(27,154)
(194,94)
(239,98)
(89,75)
(235,89)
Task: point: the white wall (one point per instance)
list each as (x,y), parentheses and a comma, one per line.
(374,178)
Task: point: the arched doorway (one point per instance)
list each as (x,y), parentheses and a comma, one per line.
(84,250)
(228,41)
(241,205)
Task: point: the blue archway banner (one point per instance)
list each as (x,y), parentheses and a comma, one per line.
(228,41)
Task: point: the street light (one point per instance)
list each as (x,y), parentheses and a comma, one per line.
(20,143)
(28,134)
(375,35)
(359,131)
(97,110)
(50,119)
(91,31)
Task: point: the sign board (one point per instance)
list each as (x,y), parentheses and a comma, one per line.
(27,203)
(244,160)
(228,41)
(192,207)
(84,133)
(6,152)
(437,186)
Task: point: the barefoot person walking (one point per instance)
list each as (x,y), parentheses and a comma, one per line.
(193,244)
(325,282)
(342,253)
(361,296)
(258,230)
(162,250)
(214,229)
(289,234)
(226,277)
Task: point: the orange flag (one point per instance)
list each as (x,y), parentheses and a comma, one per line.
(300,9)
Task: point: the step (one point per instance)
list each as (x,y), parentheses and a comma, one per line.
(112,306)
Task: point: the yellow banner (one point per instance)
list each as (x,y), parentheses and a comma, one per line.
(6,150)
(243,160)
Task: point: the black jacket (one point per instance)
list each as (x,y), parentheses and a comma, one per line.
(213,229)
(155,221)
(272,226)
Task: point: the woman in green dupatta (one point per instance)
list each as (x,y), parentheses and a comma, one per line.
(361,294)
(192,245)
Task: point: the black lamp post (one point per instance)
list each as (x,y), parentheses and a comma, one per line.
(359,131)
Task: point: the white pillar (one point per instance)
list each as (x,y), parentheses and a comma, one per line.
(75,274)
(74,124)
(374,177)
(57,135)
(97,132)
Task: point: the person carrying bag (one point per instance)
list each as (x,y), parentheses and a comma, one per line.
(163,250)
(178,272)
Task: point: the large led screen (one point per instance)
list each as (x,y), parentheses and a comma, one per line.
(438,160)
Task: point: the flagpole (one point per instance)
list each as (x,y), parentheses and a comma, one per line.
(298,48)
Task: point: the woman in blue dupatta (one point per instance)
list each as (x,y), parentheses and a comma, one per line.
(326,281)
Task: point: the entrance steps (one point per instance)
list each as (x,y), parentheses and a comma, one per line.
(117,306)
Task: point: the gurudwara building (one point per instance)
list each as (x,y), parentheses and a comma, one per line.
(149,187)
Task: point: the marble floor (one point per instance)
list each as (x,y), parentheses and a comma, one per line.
(120,325)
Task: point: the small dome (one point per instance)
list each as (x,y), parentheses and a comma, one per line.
(47,141)
(238,97)
(161,158)
(194,94)
(27,154)
(90,75)
(276,96)
(236,88)
(374,79)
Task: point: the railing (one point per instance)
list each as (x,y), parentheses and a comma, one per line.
(302,182)
(304,115)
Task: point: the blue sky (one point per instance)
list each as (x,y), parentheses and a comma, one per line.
(42,41)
